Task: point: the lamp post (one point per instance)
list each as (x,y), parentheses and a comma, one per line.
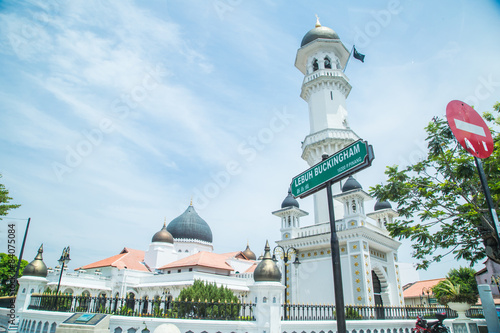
(64,260)
(428,291)
(286,256)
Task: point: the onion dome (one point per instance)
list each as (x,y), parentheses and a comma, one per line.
(319,32)
(351,184)
(266,270)
(249,253)
(379,205)
(37,266)
(289,201)
(189,225)
(163,236)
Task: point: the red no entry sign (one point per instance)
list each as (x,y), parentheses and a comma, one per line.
(469,128)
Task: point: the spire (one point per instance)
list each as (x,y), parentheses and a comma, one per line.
(40,251)
(317,21)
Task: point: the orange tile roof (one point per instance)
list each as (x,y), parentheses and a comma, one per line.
(415,290)
(129,258)
(205,259)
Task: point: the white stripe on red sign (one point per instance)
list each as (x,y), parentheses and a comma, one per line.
(468,127)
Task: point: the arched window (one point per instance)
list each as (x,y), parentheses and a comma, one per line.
(328,63)
(118,330)
(354,206)
(53,327)
(315,65)
(45,327)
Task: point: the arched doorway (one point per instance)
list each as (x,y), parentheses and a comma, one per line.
(377,293)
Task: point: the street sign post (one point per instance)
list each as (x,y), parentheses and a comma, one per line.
(470,129)
(474,136)
(351,159)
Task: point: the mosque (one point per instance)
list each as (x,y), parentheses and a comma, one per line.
(182,250)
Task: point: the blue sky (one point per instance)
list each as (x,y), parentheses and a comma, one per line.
(113,115)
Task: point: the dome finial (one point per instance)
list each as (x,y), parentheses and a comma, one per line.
(317,21)
(191,202)
(165,222)
(37,266)
(266,270)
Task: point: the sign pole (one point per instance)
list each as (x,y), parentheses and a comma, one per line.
(337,275)
(487,195)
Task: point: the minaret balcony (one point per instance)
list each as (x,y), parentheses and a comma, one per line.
(325,78)
(342,135)
(325,73)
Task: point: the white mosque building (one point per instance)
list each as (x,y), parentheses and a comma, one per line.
(182,250)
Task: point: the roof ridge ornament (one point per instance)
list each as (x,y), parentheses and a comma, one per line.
(318,24)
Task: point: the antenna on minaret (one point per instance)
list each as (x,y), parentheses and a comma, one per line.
(317,21)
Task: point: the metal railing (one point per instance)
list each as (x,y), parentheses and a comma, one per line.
(158,308)
(355,312)
(7,301)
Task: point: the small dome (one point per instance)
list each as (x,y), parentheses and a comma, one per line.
(351,184)
(382,205)
(266,270)
(289,201)
(37,266)
(163,236)
(319,32)
(249,253)
(189,225)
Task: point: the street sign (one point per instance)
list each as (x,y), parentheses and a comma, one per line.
(469,128)
(349,160)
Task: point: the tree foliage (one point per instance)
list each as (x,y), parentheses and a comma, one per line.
(8,267)
(194,301)
(4,201)
(459,286)
(440,200)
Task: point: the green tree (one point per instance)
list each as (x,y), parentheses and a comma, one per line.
(459,286)
(8,267)
(440,200)
(4,201)
(206,300)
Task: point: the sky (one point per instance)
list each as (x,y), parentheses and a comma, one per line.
(115,115)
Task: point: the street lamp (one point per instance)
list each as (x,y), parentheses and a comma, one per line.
(287,254)
(64,260)
(428,291)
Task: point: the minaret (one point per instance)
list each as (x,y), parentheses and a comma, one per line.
(383,214)
(353,200)
(322,58)
(290,215)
